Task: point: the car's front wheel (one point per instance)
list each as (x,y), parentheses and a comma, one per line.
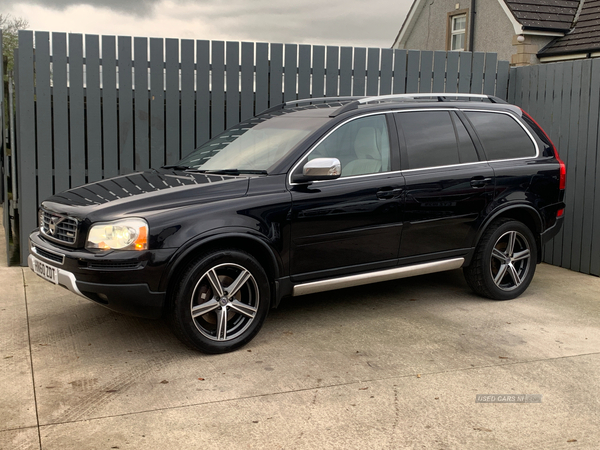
(504,261)
(221,301)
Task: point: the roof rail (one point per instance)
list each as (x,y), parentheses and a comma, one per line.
(441,97)
(308,100)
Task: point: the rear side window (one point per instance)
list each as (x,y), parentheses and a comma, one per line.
(434,139)
(501,136)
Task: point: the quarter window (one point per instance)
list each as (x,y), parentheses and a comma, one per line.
(501,136)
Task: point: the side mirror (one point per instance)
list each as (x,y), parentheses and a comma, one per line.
(319,169)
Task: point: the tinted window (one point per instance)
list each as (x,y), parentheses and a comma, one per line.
(430,139)
(362,146)
(466,149)
(502,137)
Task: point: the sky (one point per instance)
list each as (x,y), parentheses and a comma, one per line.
(360,23)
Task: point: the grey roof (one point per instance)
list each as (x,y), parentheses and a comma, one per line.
(584,38)
(550,15)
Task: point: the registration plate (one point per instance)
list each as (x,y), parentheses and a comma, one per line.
(46,271)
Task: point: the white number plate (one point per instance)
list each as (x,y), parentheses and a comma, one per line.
(45,271)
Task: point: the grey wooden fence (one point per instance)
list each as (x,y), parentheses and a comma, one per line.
(564,98)
(91,107)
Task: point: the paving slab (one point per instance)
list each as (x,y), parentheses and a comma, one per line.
(396,413)
(20,439)
(16,393)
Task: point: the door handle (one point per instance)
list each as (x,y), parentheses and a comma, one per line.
(387,193)
(480,181)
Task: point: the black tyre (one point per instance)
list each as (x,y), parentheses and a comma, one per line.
(220,302)
(504,261)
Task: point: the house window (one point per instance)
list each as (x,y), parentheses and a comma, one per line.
(458,29)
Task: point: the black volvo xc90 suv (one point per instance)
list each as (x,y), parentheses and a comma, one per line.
(309,196)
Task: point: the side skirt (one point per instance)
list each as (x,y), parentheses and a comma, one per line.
(374,277)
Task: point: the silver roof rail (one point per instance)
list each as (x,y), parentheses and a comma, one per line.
(440,97)
(302,101)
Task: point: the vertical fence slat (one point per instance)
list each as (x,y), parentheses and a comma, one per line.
(563,147)
(331,84)
(142,143)
(110,142)
(125,106)
(464,72)
(187,97)
(345,71)
(546,100)
(385,79)
(529,79)
(76,112)
(276,81)
(43,114)
(60,104)
(92,108)
(512,85)
(439,71)
(580,176)
(157,103)
(304,67)
(555,106)
(318,71)
(172,101)
(373,71)
(412,71)
(426,72)
(262,77)
(232,107)
(491,61)
(360,63)
(217,88)
(399,72)
(477,73)
(502,80)
(595,244)
(571,167)
(202,92)
(247,96)
(26,139)
(290,72)
(590,169)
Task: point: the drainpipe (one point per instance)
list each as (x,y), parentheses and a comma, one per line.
(472,27)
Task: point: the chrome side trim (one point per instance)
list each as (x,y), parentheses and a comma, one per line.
(375,277)
(65,278)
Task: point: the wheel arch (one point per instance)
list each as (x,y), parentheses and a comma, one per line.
(254,245)
(526,214)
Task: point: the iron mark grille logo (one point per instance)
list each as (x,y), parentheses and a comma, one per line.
(54,222)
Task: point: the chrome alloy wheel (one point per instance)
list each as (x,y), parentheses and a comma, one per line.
(511,260)
(224,302)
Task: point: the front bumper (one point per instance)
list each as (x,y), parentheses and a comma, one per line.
(125,282)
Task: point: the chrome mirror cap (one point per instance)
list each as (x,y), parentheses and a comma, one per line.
(322,169)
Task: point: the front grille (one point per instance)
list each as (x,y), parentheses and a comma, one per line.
(49,255)
(58,228)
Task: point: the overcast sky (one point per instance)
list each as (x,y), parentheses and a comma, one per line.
(369,23)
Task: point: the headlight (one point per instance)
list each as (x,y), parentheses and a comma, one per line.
(125,234)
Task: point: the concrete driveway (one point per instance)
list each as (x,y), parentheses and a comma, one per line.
(392,365)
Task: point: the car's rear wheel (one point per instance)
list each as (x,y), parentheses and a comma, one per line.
(504,261)
(221,301)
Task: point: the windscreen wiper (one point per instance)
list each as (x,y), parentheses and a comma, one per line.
(236,172)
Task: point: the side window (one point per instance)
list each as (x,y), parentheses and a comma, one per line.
(362,146)
(501,136)
(430,139)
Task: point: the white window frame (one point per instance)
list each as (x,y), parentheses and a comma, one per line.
(454,32)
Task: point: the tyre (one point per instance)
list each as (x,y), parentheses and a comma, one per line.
(221,301)
(504,261)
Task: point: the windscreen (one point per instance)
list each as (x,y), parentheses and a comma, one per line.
(256,144)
